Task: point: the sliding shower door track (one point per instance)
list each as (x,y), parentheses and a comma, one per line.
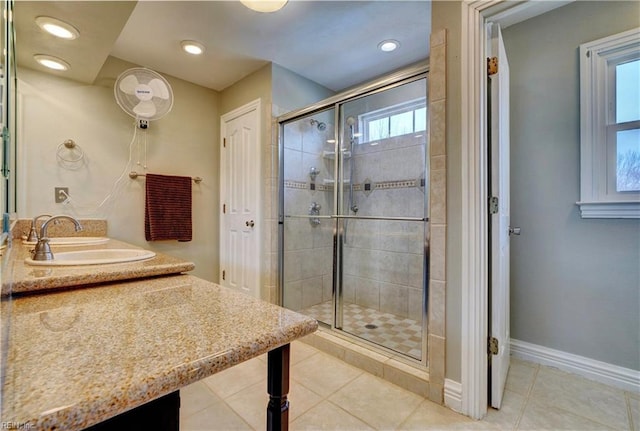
(351,217)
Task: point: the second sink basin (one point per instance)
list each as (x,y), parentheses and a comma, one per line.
(94,257)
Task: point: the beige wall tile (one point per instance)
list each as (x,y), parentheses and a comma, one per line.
(436,308)
(438,198)
(438,37)
(437,128)
(437,87)
(438,215)
(436,359)
(437,249)
(436,393)
(438,163)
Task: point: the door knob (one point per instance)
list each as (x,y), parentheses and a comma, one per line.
(514,231)
(249,223)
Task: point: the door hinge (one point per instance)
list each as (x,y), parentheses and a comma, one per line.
(224,142)
(494,205)
(492,346)
(224,274)
(492,66)
(224,208)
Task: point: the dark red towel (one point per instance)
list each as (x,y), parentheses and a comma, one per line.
(167,213)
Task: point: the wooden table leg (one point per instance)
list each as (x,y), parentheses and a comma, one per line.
(278,388)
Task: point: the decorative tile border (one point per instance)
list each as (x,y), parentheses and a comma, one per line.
(367,186)
(402,184)
(290,184)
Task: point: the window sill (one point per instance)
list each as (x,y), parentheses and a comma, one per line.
(619,209)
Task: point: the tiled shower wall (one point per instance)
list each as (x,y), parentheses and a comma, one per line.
(308,246)
(383,262)
(383,259)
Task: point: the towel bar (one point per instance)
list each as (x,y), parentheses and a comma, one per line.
(134,175)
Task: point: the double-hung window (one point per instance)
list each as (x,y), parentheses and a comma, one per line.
(610,127)
(397,120)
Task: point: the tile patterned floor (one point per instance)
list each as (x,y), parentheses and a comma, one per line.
(397,333)
(328,394)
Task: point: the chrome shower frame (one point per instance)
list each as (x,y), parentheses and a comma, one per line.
(387,82)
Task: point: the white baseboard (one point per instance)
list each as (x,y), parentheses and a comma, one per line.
(620,377)
(453,395)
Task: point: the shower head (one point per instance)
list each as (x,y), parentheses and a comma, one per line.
(319,124)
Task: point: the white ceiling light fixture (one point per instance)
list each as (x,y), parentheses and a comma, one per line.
(57,28)
(388,45)
(192,47)
(52,62)
(265,6)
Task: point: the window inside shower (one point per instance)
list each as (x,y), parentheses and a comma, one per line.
(354,216)
(396,120)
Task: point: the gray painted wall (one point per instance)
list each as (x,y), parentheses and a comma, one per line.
(575,283)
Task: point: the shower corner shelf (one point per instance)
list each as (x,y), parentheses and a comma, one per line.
(331,155)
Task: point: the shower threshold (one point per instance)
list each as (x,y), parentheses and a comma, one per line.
(395,368)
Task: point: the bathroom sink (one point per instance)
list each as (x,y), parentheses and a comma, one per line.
(72,240)
(94,257)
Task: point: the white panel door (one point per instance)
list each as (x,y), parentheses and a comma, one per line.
(499,221)
(240,200)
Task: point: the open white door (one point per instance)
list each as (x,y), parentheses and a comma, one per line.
(240,199)
(499,219)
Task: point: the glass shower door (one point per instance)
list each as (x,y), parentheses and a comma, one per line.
(381,214)
(307,170)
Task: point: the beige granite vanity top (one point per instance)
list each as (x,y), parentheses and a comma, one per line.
(28,278)
(78,357)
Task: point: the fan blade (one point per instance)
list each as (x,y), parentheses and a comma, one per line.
(145,109)
(159,88)
(128,84)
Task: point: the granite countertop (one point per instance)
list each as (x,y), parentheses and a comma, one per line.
(28,278)
(78,357)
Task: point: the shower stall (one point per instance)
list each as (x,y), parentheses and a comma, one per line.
(353,226)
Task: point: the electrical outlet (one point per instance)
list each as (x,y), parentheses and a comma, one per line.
(61,194)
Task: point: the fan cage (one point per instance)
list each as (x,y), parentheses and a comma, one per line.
(129,101)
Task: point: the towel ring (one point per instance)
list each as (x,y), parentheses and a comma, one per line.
(70,145)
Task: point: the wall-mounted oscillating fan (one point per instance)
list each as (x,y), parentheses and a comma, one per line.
(143,93)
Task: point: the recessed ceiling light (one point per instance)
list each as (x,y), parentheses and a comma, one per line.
(51,62)
(57,28)
(264,5)
(388,45)
(192,47)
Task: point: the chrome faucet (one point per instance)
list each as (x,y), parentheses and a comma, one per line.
(33,233)
(43,250)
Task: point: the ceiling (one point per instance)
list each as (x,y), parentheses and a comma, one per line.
(333,43)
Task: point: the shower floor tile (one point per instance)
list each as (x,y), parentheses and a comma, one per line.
(401,334)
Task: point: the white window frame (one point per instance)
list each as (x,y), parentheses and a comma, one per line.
(388,112)
(598,196)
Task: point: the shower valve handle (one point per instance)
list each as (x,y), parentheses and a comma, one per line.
(249,223)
